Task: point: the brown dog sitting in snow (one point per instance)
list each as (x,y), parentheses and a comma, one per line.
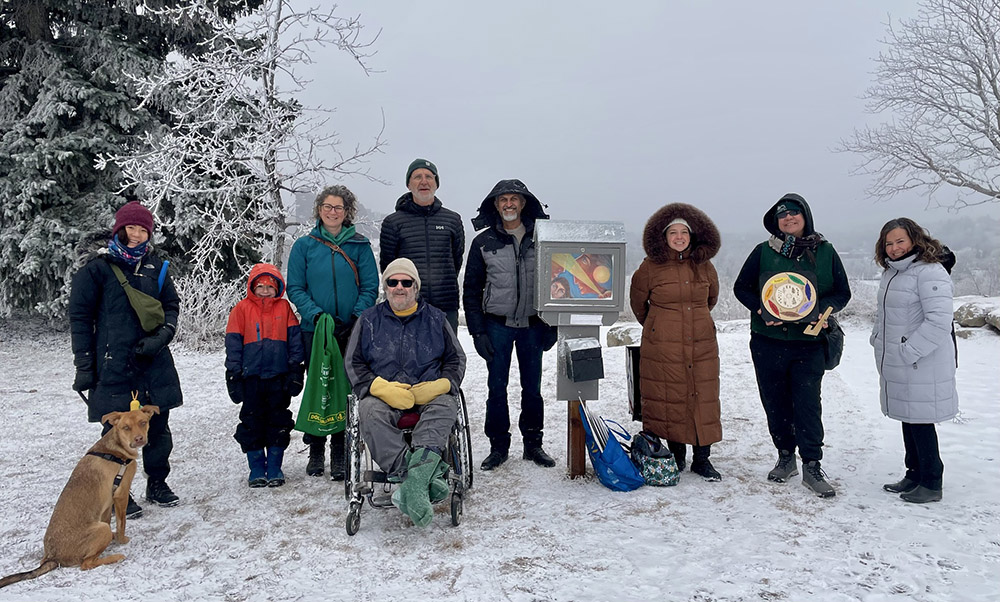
(80,527)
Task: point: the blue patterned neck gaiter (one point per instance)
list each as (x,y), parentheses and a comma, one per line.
(131,256)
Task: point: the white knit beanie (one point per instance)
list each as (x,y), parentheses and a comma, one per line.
(401,266)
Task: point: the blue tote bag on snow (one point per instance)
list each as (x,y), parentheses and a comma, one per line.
(611,463)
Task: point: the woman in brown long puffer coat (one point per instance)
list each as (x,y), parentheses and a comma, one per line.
(672,294)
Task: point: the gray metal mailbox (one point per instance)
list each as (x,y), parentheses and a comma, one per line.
(581,286)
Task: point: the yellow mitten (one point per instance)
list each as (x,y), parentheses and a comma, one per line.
(395,394)
(425,392)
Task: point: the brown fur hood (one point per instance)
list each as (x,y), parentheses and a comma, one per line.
(705,237)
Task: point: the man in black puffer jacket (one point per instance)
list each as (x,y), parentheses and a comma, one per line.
(499,295)
(431,236)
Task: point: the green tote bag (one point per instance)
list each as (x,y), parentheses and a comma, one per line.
(323,409)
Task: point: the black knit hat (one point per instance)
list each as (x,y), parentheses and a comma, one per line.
(422,164)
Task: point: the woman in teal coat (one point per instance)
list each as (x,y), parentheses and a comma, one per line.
(331,271)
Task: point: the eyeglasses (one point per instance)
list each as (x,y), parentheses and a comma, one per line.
(786,213)
(331,208)
(392,282)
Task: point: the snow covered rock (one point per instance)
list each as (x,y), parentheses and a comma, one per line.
(625,334)
(979,312)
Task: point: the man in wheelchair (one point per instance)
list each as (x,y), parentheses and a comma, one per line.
(404,356)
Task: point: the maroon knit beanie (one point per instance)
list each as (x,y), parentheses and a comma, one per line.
(133,214)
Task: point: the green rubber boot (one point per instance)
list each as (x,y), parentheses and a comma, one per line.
(438,488)
(412,497)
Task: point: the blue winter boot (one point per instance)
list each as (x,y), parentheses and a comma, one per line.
(275,478)
(258,468)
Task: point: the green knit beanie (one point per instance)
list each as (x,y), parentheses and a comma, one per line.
(422,164)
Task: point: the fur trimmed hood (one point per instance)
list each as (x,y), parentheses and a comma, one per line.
(705,237)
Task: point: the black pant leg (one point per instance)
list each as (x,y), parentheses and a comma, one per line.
(928,455)
(770,363)
(910,449)
(250,432)
(156,453)
(279,423)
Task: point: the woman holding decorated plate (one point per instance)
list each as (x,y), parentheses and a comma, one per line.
(788,282)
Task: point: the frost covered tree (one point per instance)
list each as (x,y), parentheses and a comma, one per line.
(66,96)
(240,146)
(939,79)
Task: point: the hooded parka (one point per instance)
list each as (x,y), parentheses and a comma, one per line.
(672,294)
(105,330)
(262,335)
(914,349)
(499,276)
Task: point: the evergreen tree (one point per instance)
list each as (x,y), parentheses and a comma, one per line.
(67,96)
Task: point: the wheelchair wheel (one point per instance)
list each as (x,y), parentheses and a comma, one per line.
(354,518)
(467,469)
(456,509)
(352,463)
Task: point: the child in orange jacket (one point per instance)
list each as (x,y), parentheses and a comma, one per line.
(263,372)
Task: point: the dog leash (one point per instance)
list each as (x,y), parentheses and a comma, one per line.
(117,460)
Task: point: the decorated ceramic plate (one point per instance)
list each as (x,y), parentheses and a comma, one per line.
(788,296)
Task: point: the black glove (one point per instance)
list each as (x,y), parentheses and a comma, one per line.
(484,347)
(235,386)
(152,344)
(342,330)
(549,337)
(85,380)
(294,380)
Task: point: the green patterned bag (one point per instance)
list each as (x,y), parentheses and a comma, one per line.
(654,460)
(323,409)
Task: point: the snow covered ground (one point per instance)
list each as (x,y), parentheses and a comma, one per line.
(528,533)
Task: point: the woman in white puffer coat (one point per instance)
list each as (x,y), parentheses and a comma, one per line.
(915,350)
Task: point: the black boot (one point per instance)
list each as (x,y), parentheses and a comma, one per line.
(159,493)
(337,456)
(496,458)
(133,510)
(317,455)
(536,454)
(679,450)
(701,465)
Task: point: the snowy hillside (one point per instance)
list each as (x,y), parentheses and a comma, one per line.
(528,533)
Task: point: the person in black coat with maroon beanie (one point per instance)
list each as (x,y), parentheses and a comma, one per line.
(116,358)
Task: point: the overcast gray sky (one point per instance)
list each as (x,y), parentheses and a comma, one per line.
(611,111)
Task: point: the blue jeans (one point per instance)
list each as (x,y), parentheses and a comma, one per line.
(528,342)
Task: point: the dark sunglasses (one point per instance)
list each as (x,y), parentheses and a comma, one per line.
(786,213)
(392,282)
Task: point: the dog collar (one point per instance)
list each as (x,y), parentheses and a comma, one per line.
(116,460)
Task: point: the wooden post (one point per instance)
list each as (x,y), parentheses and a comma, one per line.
(576,449)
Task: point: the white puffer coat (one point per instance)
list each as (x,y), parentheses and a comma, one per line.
(914,348)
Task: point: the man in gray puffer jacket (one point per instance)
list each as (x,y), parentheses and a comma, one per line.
(498,295)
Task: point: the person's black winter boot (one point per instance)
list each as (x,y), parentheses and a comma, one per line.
(537,455)
(158,492)
(901,486)
(496,458)
(679,450)
(337,457)
(133,510)
(702,466)
(921,495)
(317,456)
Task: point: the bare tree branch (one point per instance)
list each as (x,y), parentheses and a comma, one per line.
(939,76)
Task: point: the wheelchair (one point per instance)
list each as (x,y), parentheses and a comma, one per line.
(363,481)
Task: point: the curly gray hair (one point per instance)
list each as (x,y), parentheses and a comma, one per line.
(350,202)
